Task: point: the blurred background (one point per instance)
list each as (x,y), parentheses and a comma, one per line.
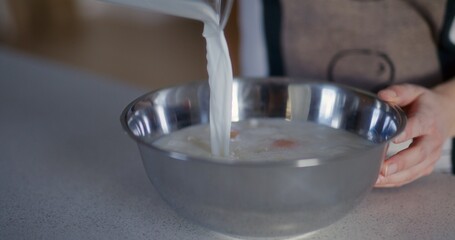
(141,47)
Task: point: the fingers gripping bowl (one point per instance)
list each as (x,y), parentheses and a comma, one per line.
(264,199)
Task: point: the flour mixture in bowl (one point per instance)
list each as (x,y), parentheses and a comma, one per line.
(257,140)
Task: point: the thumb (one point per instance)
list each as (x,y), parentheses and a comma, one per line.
(402,94)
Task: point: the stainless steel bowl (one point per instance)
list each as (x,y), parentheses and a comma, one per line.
(265,199)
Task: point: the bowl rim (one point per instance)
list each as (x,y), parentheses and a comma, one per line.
(306,162)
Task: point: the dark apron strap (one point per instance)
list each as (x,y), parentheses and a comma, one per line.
(272,27)
(447,54)
(446,49)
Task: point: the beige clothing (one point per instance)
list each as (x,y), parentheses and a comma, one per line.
(364,43)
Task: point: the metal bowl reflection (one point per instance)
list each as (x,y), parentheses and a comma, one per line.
(265,199)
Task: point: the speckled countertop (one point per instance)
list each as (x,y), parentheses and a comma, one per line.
(67,170)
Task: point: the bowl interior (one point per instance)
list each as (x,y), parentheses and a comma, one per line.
(167,110)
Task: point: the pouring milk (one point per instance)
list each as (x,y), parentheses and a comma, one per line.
(218,61)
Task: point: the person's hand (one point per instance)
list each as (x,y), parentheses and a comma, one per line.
(428,126)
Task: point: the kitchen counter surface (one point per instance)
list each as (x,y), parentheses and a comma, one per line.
(67,170)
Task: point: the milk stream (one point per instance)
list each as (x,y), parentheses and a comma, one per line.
(219,63)
(220,80)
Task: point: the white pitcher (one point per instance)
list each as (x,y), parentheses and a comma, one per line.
(208,11)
